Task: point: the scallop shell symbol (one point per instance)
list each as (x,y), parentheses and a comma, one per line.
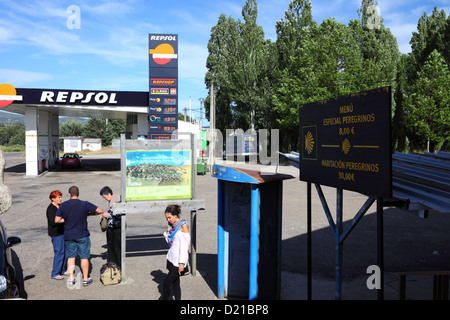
(309,142)
(346,146)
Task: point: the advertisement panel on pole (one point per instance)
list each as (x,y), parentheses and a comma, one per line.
(163,81)
(158,174)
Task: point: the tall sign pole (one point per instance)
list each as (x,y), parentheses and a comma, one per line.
(163,80)
(212,120)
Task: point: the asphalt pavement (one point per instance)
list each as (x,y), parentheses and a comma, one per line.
(411,243)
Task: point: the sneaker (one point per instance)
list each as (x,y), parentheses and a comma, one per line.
(71,283)
(58,277)
(87,282)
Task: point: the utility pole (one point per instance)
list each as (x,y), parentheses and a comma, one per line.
(190,110)
(212,120)
(201,116)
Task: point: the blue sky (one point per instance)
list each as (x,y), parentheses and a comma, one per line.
(110,50)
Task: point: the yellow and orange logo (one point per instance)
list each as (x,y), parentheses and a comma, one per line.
(8,95)
(163,54)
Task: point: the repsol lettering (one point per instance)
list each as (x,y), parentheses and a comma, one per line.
(163,38)
(74,97)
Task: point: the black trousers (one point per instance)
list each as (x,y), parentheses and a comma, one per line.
(172,281)
(114,245)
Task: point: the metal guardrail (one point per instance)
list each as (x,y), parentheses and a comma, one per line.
(422,180)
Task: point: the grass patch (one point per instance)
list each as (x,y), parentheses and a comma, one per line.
(16,148)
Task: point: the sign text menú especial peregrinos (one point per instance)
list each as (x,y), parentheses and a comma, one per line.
(346,142)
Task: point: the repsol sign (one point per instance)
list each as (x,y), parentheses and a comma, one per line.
(83,97)
(77,97)
(157,37)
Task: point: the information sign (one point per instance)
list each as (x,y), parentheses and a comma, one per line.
(346,142)
(158,174)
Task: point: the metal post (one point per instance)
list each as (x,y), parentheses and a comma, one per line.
(212,121)
(254,243)
(193,242)
(338,245)
(309,256)
(380,246)
(221,287)
(193,212)
(123,168)
(193,164)
(123,233)
(123,244)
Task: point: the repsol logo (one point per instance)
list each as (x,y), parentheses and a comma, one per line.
(163,38)
(73,97)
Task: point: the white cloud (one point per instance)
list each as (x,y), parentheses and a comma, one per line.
(19,78)
(107,9)
(194,60)
(35,9)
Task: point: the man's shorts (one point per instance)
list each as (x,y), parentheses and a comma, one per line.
(80,247)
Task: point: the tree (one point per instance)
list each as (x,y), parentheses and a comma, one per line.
(71,129)
(433,33)
(12,135)
(18,136)
(100,129)
(428,103)
(326,64)
(292,31)
(118,127)
(222,49)
(239,66)
(399,132)
(252,77)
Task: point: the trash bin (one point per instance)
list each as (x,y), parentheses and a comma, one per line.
(249,232)
(201,166)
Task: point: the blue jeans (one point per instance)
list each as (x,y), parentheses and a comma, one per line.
(59,259)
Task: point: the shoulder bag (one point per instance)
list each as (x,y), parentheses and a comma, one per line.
(71,210)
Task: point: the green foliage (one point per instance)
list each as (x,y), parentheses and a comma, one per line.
(71,129)
(399,132)
(12,135)
(309,62)
(428,104)
(104,129)
(430,57)
(312,63)
(239,65)
(433,33)
(331,59)
(95,128)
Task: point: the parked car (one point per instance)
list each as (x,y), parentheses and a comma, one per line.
(71,160)
(9,282)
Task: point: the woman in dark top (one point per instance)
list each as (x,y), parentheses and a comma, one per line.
(56,232)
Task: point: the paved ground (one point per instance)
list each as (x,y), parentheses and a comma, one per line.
(411,243)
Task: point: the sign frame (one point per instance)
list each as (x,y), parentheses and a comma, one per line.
(169,152)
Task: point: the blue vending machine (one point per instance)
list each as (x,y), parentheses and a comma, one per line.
(249,232)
